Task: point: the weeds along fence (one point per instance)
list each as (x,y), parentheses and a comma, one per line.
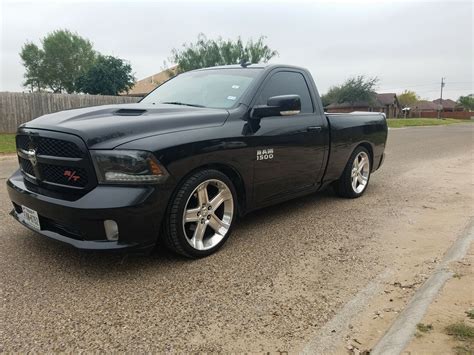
(17,108)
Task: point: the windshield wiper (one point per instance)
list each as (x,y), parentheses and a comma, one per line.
(181,103)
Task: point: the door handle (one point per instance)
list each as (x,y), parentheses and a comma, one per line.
(314,129)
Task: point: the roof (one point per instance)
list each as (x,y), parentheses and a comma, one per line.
(145,86)
(447,104)
(424,105)
(389,98)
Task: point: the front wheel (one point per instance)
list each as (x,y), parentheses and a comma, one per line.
(355,178)
(201,215)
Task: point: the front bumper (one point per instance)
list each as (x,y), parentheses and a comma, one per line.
(80,222)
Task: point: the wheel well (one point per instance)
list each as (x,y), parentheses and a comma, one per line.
(371,152)
(233,175)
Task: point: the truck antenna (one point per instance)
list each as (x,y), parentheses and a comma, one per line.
(244,63)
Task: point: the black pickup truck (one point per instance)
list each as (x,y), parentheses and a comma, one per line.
(202,149)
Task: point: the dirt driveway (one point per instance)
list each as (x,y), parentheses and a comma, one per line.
(284,273)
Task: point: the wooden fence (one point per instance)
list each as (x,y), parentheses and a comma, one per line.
(17,108)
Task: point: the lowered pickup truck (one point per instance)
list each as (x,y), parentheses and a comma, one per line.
(202,149)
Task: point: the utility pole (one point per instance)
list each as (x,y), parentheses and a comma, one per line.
(440,106)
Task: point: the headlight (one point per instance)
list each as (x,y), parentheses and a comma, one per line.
(127,167)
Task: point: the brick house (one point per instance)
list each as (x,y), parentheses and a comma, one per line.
(422,106)
(384,102)
(448,105)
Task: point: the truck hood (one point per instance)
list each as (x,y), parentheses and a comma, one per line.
(105,127)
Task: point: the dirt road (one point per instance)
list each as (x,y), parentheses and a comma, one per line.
(284,273)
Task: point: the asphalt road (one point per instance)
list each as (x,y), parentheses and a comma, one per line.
(283,274)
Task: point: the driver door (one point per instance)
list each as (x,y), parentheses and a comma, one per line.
(289,150)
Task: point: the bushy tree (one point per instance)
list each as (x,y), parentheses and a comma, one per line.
(63,58)
(355,89)
(107,76)
(32,58)
(467,102)
(408,98)
(331,96)
(209,52)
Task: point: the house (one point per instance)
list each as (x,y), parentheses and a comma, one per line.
(430,109)
(425,108)
(384,102)
(448,105)
(422,106)
(144,86)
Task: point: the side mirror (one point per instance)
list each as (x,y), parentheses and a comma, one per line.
(283,105)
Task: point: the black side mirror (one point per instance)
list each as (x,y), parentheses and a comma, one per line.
(283,105)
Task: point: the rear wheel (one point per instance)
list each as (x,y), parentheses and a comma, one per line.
(356,175)
(201,215)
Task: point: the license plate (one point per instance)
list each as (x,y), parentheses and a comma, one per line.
(31,218)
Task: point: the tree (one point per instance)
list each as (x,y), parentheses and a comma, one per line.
(208,52)
(355,89)
(331,96)
(408,98)
(467,102)
(63,58)
(107,76)
(32,58)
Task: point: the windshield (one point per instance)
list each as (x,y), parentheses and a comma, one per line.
(214,88)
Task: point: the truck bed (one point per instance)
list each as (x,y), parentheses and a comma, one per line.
(347,130)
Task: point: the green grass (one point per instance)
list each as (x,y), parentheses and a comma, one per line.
(460,331)
(470,313)
(410,122)
(424,327)
(7,143)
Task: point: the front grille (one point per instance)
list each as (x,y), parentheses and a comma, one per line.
(49,146)
(64,175)
(26,166)
(55,160)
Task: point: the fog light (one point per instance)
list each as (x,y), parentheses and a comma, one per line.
(111,229)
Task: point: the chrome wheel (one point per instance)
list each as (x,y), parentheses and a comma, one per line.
(360,172)
(208,214)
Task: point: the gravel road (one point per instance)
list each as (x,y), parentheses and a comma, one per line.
(285,271)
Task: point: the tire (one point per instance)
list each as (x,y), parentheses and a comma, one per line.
(197,224)
(353,186)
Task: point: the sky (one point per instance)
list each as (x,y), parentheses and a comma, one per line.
(406,44)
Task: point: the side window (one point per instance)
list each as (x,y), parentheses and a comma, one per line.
(287,83)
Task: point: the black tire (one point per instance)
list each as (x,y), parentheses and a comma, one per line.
(175,237)
(343,186)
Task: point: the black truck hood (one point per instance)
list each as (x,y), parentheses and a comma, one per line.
(105,127)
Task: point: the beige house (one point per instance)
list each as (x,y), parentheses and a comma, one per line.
(144,86)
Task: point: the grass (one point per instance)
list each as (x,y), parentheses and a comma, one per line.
(7,143)
(411,122)
(424,328)
(470,313)
(460,331)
